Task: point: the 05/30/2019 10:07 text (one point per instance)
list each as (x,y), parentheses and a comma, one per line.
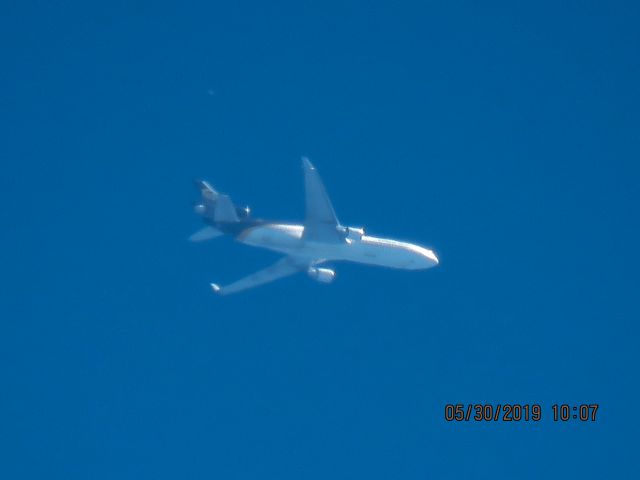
(515,412)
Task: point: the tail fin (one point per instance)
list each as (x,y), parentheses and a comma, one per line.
(206,190)
(216,207)
(225,210)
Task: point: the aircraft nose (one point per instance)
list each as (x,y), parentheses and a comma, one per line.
(432,258)
(423,258)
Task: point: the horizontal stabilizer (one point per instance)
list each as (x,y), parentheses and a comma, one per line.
(207,233)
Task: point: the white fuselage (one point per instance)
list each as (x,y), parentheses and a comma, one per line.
(288,239)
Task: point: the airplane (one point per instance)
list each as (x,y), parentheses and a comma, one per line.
(319,240)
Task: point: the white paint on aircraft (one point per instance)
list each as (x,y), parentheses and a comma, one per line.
(320,239)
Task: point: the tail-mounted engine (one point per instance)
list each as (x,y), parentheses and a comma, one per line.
(216,207)
(200,208)
(206,206)
(323,275)
(243,212)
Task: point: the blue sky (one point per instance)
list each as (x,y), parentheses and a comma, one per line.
(503,135)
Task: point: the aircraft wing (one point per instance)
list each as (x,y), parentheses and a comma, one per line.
(320,222)
(282,268)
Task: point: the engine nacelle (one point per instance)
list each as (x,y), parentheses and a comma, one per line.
(199,208)
(324,275)
(354,233)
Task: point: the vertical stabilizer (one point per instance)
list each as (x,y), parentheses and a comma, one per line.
(225,211)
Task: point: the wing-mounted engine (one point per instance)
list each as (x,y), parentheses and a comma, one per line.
(323,275)
(354,233)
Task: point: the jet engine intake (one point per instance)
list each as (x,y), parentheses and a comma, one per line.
(354,233)
(323,275)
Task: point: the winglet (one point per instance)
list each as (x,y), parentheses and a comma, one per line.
(306,163)
(216,288)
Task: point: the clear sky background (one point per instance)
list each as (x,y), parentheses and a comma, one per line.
(503,135)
